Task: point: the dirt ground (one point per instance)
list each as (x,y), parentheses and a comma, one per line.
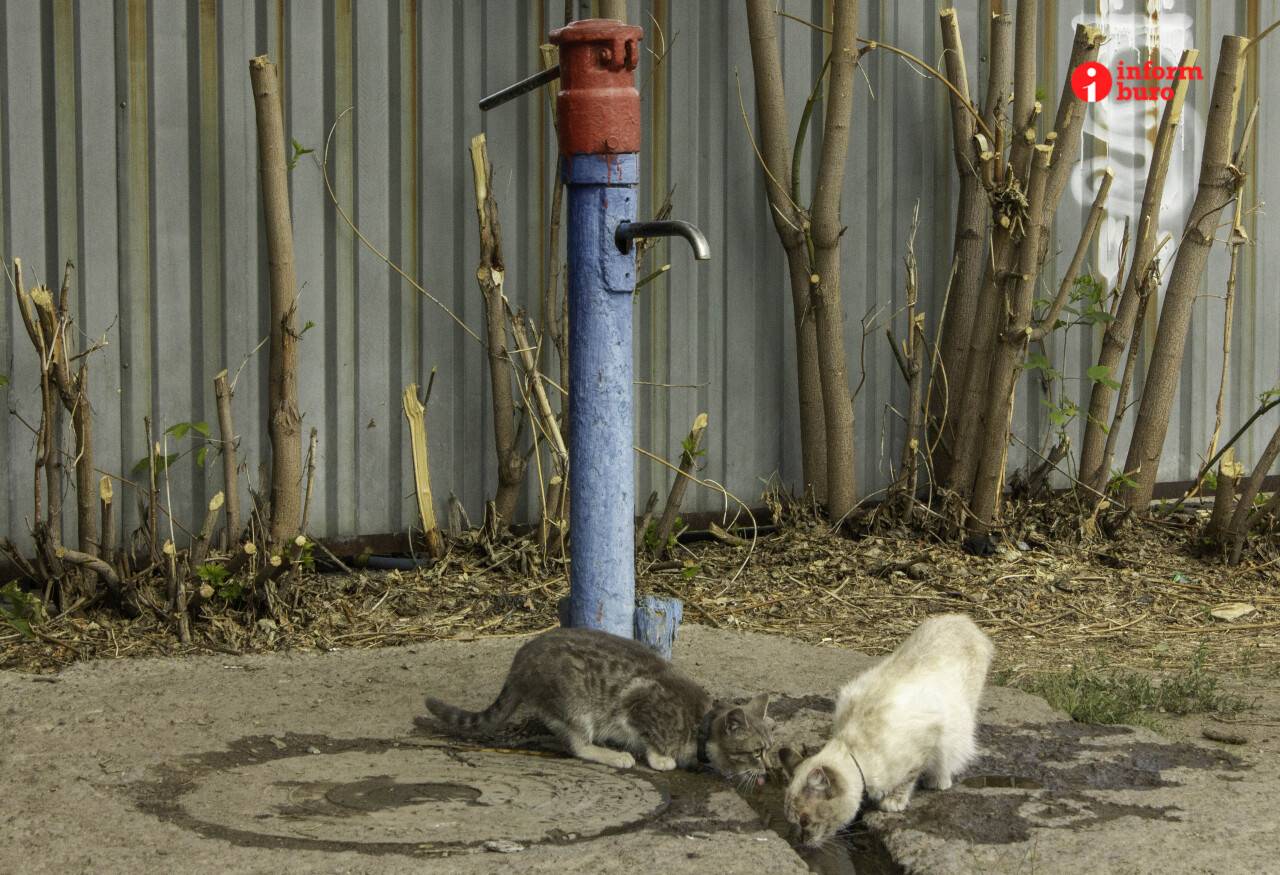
(1141,602)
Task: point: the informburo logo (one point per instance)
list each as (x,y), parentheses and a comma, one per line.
(1092,81)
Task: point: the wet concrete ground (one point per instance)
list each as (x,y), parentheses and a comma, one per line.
(311,763)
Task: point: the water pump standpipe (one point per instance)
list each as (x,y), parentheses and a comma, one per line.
(598,125)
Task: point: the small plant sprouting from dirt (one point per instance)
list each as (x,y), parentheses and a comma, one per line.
(1094,693)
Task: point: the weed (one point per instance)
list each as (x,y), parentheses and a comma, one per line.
(1095,693)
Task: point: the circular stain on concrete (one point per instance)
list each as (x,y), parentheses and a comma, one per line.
(427,796)
(380,796)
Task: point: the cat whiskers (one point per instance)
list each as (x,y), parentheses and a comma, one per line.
(744,780)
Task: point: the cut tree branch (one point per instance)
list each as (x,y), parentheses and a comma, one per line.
(284,421)
(490,275)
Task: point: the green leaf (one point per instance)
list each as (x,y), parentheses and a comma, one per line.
(1102,374)
(1096,315)
(161,463)
(201,428)
(4,381)
(18,609)
(1061,413)
(1037,361)
(298,151)
(212,573)
(1088,288)
(307,327)
(178,430)
(200,455)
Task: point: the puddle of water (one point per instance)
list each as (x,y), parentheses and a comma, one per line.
(376,794)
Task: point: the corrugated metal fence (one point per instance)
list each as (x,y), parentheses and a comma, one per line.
(127,144)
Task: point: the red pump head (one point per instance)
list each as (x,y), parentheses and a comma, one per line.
(598,107)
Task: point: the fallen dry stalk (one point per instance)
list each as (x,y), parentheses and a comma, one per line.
(415,413)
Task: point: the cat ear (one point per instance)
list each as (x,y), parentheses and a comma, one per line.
(819,783)
(735,721)
(790,760)
(756,707)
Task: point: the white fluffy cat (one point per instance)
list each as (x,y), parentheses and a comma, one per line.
(912,715)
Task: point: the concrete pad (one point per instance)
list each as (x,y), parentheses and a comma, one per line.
(311,763)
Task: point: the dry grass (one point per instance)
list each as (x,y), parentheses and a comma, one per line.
(1139,603)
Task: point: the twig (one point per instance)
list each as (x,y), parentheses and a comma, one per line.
(200,546)
(177,589)
(107,541)
(312,446)
(333,198)
(725,537)
(688,458)
(1240,432)
(230,476)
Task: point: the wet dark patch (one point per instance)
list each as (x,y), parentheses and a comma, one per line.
(383,791)
(856,849)
(1003,782)
(378,793)
(1006,818)
(1065,756)
(163,797)
(1038,776)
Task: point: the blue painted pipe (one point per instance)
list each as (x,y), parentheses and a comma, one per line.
(601,194)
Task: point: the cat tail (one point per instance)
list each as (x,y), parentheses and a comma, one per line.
(476,721)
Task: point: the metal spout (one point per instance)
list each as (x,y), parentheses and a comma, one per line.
(524,86)
(628,231)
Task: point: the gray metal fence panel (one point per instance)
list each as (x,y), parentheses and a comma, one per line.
(127,144)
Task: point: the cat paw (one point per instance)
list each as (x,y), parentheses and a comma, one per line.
(660,762)
(619,759)
(937,782)
(892,803)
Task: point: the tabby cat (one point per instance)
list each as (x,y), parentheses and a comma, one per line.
(591,688)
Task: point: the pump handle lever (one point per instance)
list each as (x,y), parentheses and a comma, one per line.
(524,86)
(628,231)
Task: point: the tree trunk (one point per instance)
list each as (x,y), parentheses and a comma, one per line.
(1026,108)
(968,405)
(967,262)
(1093,461)
(1218,185)
(1010,349)
(789,222)
(284,422)
(1224,498)
(1239,527)
(813,440)
(837,405)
